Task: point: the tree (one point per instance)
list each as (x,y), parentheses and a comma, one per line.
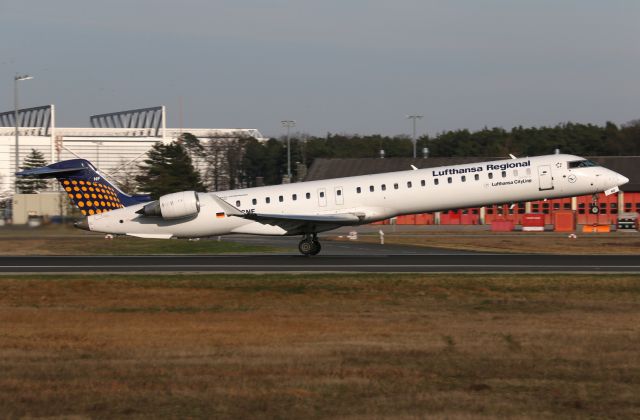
(168,169)
(34,159)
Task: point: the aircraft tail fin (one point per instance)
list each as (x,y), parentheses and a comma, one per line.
(87,188)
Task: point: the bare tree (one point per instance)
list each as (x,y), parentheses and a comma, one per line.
(125,176)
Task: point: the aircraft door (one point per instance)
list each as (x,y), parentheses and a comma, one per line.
(544,177)
(339,196)
(322,197)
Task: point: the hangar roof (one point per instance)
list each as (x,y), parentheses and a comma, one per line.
(321,168)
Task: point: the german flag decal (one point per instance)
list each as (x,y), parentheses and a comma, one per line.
(220,214)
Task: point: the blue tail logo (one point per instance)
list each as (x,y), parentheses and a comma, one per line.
(85,186)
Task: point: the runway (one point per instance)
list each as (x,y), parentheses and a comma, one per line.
(263,263)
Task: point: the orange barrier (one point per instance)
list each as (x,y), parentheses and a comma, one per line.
(596,228)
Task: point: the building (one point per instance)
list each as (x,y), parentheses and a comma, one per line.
(626,201)
(116,142)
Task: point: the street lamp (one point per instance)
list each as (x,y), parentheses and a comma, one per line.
(288,124)
(414,118)
(16,79)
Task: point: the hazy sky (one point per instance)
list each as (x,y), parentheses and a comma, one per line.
(351,66)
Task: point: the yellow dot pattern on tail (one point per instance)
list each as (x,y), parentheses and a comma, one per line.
(91,197)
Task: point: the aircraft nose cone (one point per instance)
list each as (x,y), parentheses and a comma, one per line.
(622,179)
(82,224)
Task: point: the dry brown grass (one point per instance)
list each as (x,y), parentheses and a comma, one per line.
(621,243)
(314,346)
(98,245)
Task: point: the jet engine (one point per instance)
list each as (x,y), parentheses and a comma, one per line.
(173,206)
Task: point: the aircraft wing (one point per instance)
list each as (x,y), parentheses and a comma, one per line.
(300,223)
(295,222)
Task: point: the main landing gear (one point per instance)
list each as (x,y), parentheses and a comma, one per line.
(309,245)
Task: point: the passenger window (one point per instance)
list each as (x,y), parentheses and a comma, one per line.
(436,181)
(281,199)
(237,203)
(254,201)
(476,177)
(308,195)
(383,187)
(294,197)
(423,182)
(371,188)
(358,190)
(504,174)
(339,192)
(463,178)
(528,171)
(321,194)
(490,175)
(515,172)
(267,200)
(409,184)
(449,180)
(395,186)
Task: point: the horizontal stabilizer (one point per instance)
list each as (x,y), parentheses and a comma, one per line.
(47,172)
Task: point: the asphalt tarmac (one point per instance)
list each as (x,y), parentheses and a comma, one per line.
(385,263)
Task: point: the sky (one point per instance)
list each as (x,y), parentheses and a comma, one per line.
(348,66)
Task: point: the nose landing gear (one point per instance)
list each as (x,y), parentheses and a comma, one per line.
(594,208)
(309,245)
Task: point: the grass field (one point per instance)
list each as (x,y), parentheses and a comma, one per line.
(97,245)
(315,346)
(60,240)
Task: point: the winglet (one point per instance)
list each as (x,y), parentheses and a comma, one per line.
(414,168)
(228,208)
(512,157)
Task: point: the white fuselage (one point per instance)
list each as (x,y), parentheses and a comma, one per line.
(374,197)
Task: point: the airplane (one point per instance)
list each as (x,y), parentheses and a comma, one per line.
(308,208)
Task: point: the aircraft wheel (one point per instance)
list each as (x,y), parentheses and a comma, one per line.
(594,209)
(316,248)
(306,247)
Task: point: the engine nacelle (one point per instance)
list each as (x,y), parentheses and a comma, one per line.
(173,206)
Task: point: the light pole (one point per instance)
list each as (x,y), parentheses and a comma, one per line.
(16,79)
(288,124)
(414,118)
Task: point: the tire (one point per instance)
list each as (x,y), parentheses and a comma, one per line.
(316,248)
(594,209)
(306,247)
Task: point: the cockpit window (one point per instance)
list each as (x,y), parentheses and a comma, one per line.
(581,164)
